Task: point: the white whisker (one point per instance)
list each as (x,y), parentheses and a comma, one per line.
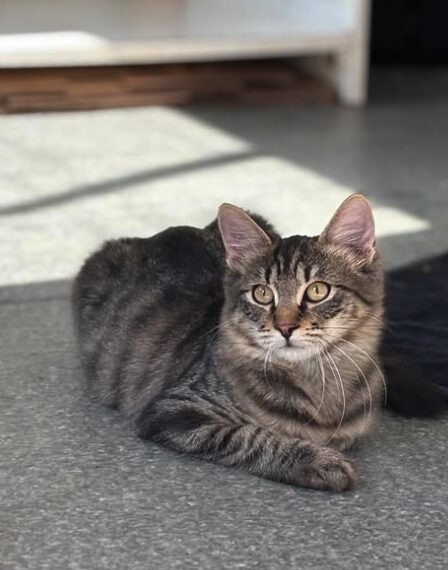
(371,315)
(266,360)
(362,374)
(330,358)
(373,362)
(219,327)
(337,327)
(322,369)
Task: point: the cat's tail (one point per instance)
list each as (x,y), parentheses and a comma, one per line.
(414,349)
(416,380)
(410,394)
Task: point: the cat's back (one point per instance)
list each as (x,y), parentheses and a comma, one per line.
(137,302)
(177,260)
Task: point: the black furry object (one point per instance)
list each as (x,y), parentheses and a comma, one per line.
(410,394)
(415,345)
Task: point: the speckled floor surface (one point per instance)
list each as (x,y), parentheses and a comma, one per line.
(78,490)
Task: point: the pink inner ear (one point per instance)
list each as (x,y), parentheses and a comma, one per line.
(242,237)
(353,225)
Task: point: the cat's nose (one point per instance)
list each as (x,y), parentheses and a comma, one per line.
(286,330)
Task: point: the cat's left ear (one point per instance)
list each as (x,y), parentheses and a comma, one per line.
(242,236)
(353,226)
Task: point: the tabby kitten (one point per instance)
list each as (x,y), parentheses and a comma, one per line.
(239,347)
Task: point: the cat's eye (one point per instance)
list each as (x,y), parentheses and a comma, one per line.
(317,291)
(263,294)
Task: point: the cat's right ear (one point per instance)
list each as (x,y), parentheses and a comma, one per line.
(353,227)
(242,236)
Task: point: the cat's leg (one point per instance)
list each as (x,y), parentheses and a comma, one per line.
(297,462)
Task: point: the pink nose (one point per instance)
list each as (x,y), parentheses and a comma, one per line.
(286,330)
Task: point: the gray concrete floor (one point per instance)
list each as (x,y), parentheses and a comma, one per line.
(78,490)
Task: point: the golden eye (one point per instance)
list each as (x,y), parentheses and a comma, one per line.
(317,291)
(263,294)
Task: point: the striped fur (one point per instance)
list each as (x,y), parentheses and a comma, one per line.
(173,338)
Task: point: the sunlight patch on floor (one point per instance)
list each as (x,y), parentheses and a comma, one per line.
(51,242)
(53,154)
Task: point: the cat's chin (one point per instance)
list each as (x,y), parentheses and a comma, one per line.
(295,351)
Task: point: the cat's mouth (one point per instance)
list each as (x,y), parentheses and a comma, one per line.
(296,346)
(293,344)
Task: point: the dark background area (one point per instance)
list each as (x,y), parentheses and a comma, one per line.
(409,31)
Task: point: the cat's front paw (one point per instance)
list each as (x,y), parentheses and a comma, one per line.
(330,470)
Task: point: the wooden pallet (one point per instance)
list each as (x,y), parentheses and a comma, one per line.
(251,82)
